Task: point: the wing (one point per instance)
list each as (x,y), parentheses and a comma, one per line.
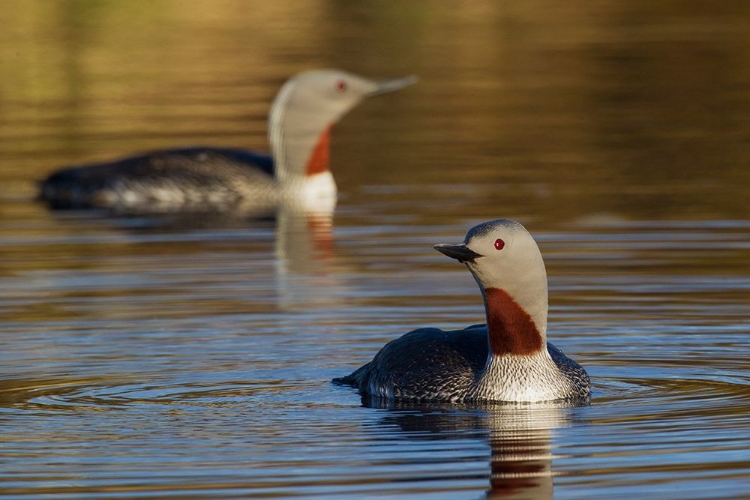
(424,364)
(572,370)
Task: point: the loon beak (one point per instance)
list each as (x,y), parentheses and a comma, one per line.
(392,85)
(461,253)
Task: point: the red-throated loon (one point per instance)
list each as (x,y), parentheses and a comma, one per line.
(224,179)
(508,359)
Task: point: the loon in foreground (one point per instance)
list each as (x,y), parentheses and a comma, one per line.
(508,359)
(223,179)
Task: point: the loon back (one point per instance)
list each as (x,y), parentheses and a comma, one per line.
(199,178)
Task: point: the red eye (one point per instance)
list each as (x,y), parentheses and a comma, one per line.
(499,244)
(341,85)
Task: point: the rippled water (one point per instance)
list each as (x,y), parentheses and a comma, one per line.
(183,357)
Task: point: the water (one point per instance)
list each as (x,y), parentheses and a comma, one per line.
(191,358)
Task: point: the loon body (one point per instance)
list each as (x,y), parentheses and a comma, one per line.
(222,179)
(508,359)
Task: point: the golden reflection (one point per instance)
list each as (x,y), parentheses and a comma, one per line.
(576,110)
(20,393)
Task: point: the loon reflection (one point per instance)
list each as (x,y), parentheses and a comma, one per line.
(519,437)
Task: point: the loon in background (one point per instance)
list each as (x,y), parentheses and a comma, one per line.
(224,179)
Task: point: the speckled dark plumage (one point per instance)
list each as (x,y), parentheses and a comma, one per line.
(430,364)
(573,372)
(202,177)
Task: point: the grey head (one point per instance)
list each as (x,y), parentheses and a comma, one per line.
(502,255)
(305,109)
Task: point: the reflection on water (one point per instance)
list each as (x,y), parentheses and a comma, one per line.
(192,357)
(519,439)
(305,259)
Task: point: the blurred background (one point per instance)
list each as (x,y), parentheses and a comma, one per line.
(628,108)
(148,357)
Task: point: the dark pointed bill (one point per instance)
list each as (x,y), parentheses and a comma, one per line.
(461,253)
(392,85)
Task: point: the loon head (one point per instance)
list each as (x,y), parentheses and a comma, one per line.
(306,108)
(508,267)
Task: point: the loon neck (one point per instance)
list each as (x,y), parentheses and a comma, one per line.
(511,329)
(299,137)
(519,365)
(319,159)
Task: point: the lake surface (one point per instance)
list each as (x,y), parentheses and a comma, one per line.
(184,357)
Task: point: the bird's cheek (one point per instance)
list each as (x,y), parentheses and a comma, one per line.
(479,276)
